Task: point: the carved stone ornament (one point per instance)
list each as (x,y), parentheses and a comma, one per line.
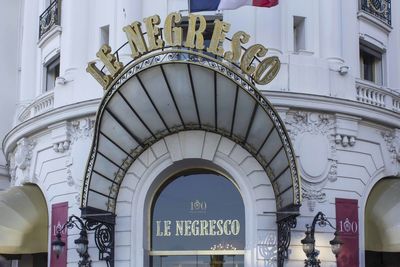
(12,168)
(313,137)
(20,162)
(313,197)
(80,129)
(23,153)
(392,140)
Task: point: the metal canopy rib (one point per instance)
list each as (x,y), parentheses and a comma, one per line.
(170,94)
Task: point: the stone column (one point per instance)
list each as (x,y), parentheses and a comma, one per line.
(74,38)
(29,50)
(330,30)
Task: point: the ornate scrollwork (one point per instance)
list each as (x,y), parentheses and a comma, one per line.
(378,5)
(49,18)
(284,237)
(104,239)
(378,8)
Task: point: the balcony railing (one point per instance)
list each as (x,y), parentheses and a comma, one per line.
(41,105)
(370,93)
(50,17)
(380,9)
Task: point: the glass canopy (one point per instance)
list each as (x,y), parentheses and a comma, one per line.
(175,91)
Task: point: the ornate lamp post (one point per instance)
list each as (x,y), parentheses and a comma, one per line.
(309,241)
(81,243)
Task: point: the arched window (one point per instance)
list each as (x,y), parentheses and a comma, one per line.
(197,219)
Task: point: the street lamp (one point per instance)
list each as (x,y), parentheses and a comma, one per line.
(309,241)
(81,243)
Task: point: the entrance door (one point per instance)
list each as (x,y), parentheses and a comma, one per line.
(197,220)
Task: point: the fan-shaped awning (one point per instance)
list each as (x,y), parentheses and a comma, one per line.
(180,90)
(23,221)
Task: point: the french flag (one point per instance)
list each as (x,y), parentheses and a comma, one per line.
(210,5)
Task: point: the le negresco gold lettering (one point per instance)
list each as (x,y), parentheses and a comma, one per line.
(263,73)
(198,228)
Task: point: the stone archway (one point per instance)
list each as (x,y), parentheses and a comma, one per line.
(188,150)
(175,91)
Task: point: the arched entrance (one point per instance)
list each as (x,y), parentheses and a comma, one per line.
(382,226)
(192,224)
(24,225)
(172,91)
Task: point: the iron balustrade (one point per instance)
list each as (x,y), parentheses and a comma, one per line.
(50,17)
(380,9)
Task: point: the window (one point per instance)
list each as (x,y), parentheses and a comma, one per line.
(299,34)
(105,35)
(194,224)
(52,71)
(371,64)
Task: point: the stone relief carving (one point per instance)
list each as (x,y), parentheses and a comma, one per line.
(345,140)
(313,198)
(61,146)
(20,161)
(392,140)
(12,168)
(313,136)
(60,134)
(80,129)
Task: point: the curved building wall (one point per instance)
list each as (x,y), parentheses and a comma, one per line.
(345,129)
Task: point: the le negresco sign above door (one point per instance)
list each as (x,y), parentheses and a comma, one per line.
(172,35)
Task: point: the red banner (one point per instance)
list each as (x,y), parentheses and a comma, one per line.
(347,226)
(59,216)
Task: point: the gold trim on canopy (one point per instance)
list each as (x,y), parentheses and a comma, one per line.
(180,90)
(23,221)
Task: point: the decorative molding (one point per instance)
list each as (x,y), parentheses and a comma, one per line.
(23,153)
(42,122)
(316,123)
(20,161)
(296,101)
(304,125)
(345,140)
(79,129)
(82,128)
(60,134)
(332,175)
(313,197)
(392,140)
(12,168)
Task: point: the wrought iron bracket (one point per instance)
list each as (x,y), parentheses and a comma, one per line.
(285,225)
(104,238)
(103,225)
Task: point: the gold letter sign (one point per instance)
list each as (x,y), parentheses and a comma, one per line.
(262,73)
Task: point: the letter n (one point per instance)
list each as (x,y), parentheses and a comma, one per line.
(135,38)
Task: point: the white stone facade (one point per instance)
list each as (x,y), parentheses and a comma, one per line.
(345,130)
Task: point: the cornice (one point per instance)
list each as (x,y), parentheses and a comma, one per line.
(320,103)
(278,99)
(43,121)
